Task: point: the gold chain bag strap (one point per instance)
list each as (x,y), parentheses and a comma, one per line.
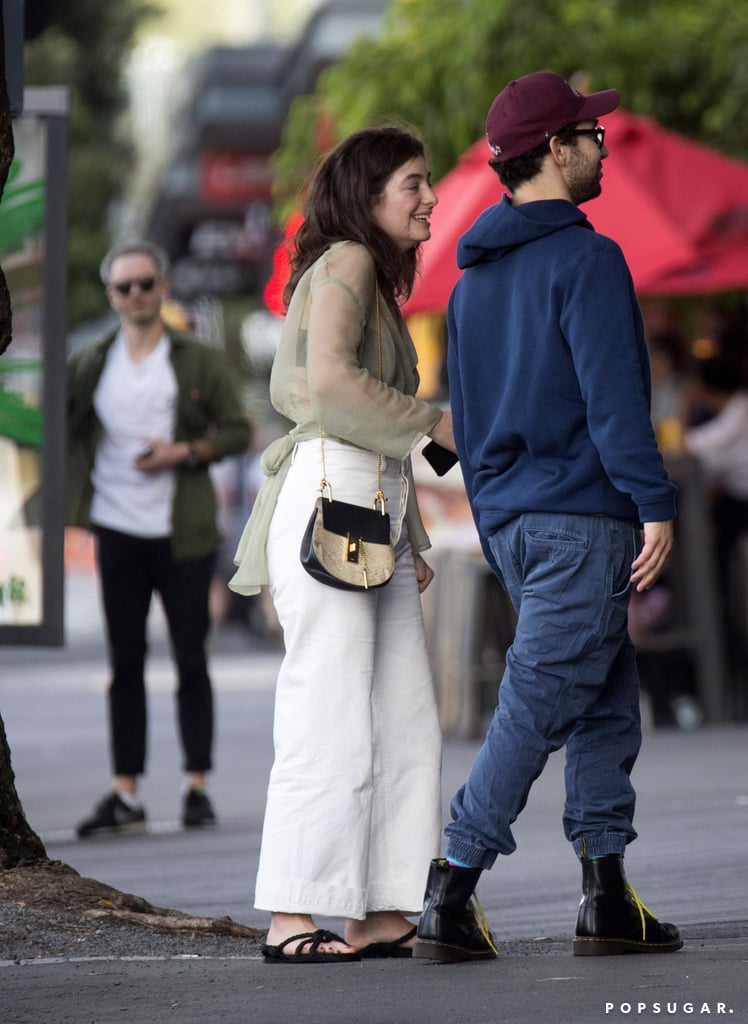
(349,546)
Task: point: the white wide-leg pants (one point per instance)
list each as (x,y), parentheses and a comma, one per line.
(353,812)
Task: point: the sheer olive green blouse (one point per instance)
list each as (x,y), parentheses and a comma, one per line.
(325,373)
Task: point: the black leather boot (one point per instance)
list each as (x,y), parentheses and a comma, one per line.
(612,919)
(449,929)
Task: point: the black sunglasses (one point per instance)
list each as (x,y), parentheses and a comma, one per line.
(597,133)
(146,284)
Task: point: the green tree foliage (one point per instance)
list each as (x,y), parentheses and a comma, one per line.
(438,66)
(85,48)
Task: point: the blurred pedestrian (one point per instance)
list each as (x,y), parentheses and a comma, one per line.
(149,409)
(719,392)
(353,803)
(670,368)
(550,390)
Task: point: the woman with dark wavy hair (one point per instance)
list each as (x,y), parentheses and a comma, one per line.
(354,805)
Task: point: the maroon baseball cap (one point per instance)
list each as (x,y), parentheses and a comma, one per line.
(531,109)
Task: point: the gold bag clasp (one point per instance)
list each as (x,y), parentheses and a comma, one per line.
(352,548)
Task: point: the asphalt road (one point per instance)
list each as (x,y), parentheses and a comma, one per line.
(689,865)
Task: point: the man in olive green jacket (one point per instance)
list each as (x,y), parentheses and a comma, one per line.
(149,408)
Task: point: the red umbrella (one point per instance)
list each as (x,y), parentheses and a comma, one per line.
(273,292)
(678,210)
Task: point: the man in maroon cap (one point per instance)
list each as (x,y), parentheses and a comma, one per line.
(550,390)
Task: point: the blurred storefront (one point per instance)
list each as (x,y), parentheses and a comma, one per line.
(33,249)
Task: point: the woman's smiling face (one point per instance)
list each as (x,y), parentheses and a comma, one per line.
(404,208)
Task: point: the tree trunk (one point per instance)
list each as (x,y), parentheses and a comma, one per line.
(6,156)
(19,844)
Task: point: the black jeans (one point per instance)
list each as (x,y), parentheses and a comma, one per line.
(131,569)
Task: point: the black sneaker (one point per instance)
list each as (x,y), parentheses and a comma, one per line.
(112,814)
(197,810)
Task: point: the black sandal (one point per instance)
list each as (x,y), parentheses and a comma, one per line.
(307,950)
(396,949)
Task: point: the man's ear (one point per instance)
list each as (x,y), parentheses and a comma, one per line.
(558,150)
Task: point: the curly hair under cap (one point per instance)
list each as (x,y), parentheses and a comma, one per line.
(343,188)
(519,169)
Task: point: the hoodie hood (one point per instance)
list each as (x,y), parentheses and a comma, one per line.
(503,227)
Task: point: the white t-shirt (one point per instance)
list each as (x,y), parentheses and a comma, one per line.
(134,402)
(721,446)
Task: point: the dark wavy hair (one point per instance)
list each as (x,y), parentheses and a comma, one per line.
(344,186)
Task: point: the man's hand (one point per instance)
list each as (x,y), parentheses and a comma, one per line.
(658,540)
(159,455)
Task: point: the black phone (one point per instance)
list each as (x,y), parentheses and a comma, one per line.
(439,458)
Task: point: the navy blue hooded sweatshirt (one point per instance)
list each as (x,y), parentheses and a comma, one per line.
(548,372)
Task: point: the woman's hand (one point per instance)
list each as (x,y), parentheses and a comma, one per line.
(424,573)
(442,432)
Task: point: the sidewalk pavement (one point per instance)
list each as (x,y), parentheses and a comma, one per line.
(690,866)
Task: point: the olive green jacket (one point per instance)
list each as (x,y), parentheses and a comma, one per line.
(327,374)
(208,408)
